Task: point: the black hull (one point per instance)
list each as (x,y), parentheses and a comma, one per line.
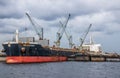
(33,50)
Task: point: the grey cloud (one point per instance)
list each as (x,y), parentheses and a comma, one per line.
(10,9)
(6,32)
(12,15)
(50,10)
(4,2)
(103,14)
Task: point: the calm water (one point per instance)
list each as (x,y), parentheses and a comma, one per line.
(61,70)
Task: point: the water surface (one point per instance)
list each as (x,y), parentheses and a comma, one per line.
(61,70)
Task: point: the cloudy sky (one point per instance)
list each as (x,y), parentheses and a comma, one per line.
(103,14)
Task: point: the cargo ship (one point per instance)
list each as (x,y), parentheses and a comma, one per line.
(28,50)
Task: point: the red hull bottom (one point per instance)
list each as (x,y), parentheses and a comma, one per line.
(34,59)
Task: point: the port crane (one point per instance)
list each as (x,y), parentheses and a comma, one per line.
(38,32)
(83,39)
(61,32)
(69,37)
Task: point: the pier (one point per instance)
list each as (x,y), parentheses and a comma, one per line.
(2,59)
(99,57)
(2,56)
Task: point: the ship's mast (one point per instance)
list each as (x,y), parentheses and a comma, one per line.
(17,36)
(91,40)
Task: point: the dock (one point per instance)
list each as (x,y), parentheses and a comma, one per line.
(2,56)
(95,57)
(2,59)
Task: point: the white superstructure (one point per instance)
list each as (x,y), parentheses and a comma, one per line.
(92,47)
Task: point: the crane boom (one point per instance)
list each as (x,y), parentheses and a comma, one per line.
(82,40)
(60,33)
(63,30)
(40,34)
(69,37)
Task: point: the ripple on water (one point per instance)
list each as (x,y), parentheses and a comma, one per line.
(61,70)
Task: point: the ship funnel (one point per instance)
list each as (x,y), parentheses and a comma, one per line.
(17,36)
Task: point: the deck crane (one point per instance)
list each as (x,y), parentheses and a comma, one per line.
(38,32)
(69,37)
(83,39)
(61,32)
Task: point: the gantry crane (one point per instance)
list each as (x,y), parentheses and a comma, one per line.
(61,32)
(83,39)
(69,37)
(38,32)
